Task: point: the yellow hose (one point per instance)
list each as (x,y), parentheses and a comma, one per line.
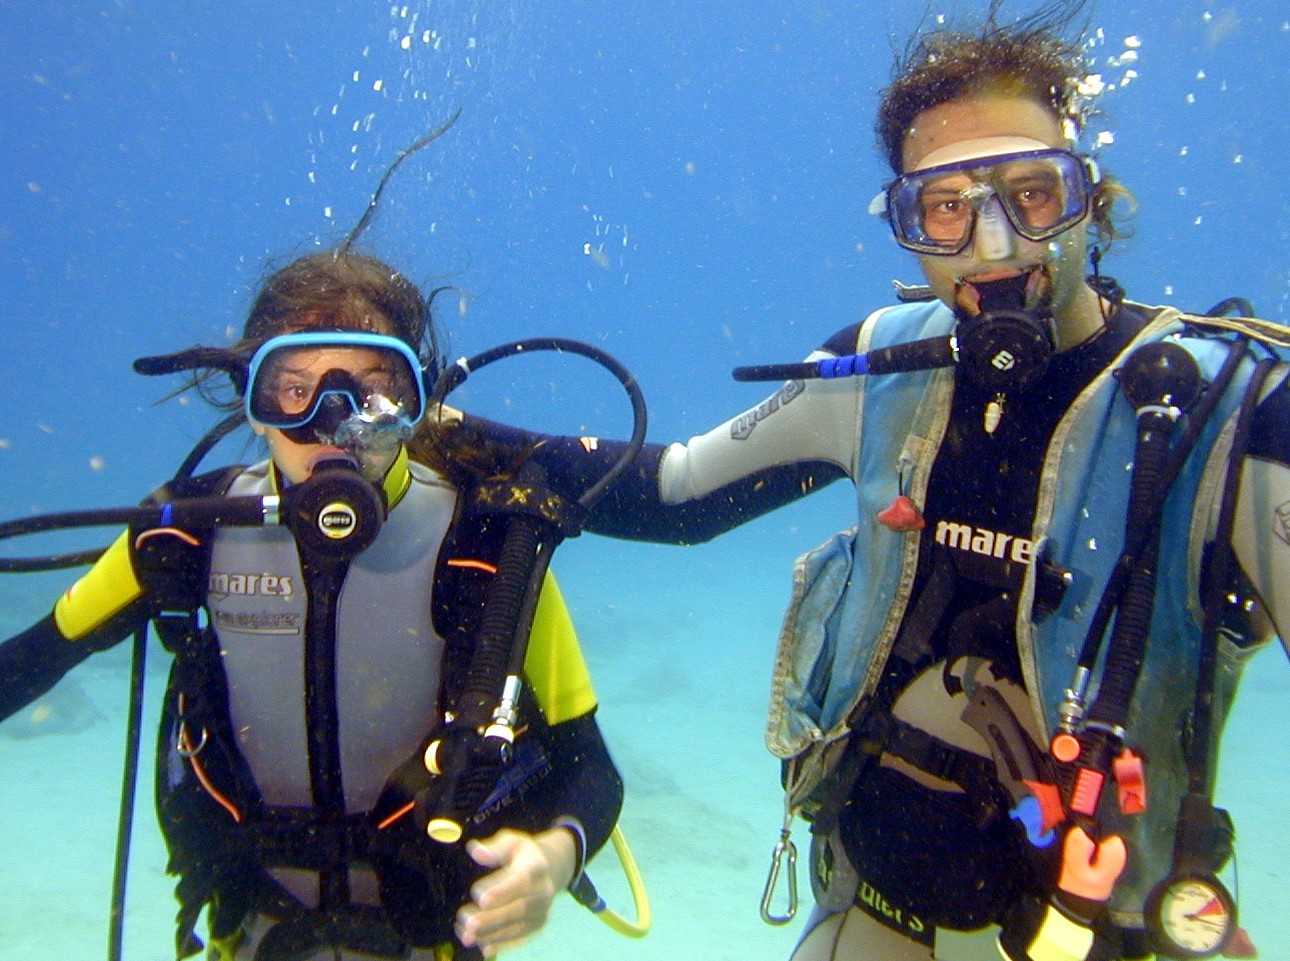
(637,884)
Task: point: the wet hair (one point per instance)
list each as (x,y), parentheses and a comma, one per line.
(337,289)
(1028,57)
(342,290)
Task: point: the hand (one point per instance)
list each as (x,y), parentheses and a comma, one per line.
(512,903)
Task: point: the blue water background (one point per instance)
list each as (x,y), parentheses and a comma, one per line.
(683,184)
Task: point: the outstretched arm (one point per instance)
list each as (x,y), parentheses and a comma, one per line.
(101,609)
(801,438)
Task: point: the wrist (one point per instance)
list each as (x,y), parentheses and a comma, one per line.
(569,834)
(1046,932)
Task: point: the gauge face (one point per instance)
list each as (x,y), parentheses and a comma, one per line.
(1195,917)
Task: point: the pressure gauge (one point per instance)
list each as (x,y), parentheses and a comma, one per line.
(1191,916)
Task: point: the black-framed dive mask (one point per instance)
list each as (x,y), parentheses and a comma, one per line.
(351,389)
(1041,193)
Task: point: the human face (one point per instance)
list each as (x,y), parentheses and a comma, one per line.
(992,125)
(308,391)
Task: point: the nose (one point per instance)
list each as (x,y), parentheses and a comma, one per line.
(993,237)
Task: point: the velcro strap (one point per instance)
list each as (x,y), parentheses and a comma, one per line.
(940,759)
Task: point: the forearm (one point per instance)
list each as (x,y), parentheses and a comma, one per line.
(633,512)
(799,440)
(586,784)
(34,661)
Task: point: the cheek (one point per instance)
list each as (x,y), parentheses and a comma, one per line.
(292,459)
(941,274)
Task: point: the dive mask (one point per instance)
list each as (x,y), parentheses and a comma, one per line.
(1040,192)
(345,388)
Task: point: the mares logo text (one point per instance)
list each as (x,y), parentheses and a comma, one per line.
(743,425)
(253,585)
(883,910)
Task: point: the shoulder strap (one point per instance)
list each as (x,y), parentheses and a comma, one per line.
(467,561)
(1266,331)
(173,569)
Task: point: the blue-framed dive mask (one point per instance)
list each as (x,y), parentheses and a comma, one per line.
(351,389)
(1041,193)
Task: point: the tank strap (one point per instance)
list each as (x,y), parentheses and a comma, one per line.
(876,731)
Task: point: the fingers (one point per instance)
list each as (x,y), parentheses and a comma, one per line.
(512,902)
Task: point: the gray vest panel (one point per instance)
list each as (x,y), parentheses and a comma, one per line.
(387,651)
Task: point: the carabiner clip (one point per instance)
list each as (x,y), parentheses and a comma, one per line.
(783,848)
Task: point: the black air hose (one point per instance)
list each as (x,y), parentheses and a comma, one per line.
(1160,380)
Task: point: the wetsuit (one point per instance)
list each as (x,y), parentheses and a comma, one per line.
(923,851)
(281,729)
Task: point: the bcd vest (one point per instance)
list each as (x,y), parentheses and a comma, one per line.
(850,594)
(282,724)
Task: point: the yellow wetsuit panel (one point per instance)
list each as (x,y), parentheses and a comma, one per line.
(554,663)
(104,591)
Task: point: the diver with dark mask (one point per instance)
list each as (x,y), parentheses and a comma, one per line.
(315,660)
(936,699)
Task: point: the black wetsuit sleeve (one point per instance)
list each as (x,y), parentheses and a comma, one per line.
(32,662)
(633,511)
(586,783)
(744,472)
(633,508)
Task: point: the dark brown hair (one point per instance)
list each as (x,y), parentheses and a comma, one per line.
(348,291)
(1029,57)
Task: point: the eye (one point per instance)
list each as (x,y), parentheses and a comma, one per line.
(292,396)
(945,216)
(1032,197)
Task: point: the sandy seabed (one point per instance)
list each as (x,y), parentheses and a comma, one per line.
(681,653)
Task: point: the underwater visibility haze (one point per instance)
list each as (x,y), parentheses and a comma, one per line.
(684,184)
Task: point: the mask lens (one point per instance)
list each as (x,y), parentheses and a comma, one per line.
(945,208)
(294,376)
(1042,193)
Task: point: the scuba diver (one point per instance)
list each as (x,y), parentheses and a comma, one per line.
(985,767)
(323,666)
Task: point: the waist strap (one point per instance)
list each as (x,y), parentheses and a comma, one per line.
(298,932)
(939,759)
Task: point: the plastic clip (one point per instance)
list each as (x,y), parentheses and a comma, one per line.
(784,848)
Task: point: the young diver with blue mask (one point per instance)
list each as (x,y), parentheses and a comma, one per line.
(301,697)
(968,750)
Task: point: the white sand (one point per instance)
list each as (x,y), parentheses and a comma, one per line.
(680,644)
